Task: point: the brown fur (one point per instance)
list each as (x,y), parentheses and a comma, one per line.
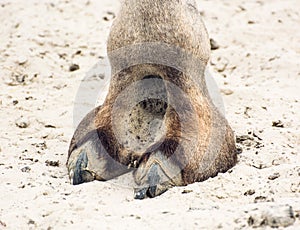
(193,142)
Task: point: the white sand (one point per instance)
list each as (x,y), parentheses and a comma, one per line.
(260,47)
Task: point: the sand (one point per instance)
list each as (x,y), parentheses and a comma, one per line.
(256,67)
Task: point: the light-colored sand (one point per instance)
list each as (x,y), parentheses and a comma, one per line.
(257,67)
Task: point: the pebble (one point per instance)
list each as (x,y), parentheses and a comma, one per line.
(31,222)
(262,199)
(26,169)
(186,191)
(213,44)
(74,67)
(50,126)
(226,92)
(109,16)
(274,176)
(250,192)
(278,124)
(40,41)
(52,163)
(295,187)
(22,123)
(21,78)
(22,60)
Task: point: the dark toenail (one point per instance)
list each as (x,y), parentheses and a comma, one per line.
(81,164)
(151,191)
(140,194)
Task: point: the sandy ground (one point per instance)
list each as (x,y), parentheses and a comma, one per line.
(257,68)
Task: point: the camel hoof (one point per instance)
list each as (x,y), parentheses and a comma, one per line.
(80,174)
(154,187)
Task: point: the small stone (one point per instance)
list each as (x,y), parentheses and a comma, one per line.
(250,192)
(78,52)
(62,55)
(74,67)
(52,163)
(41,145)
(213,44)
(110,16)
(21,78)
(15,102)
(186,191)
(295,187)
(262,199)
(22,60)
(274,176)
(28,98)
(22,123)
(26,169)
(226,92)
(278,124)
(31,222)
(246,111)
(50,126)
(40,40)
(239,149)
(242,8)
(22,186)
